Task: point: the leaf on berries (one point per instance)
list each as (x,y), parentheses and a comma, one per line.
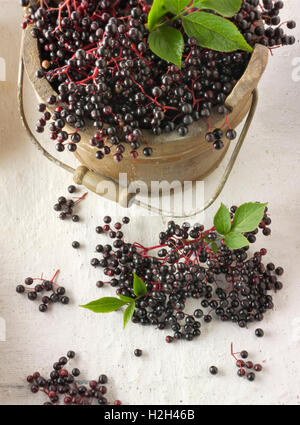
(226,8)
(222,220)
(139,287)
(128,313)
(214,32)
(248,216)
(158,10)
(235,240)
(168,44)
(176,6)
(105,305)
(127,300)
(214,247)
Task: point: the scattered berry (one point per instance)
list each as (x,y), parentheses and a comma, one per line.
(72,189)
(259,332)
(213,370)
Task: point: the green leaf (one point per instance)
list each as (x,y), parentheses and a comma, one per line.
(158,10)
(248,216)
(222,220)
(235,240)
(168,44)
(104,305)
(128,313)
(214,247)
(139,287)
(176,6)
(214,32)
(126,300)
(223,7)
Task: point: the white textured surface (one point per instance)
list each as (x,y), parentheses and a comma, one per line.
(33,241)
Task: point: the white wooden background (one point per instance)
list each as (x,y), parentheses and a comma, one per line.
(34,241)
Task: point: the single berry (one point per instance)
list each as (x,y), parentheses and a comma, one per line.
(72,189)
(257,367)
(102,379)
(75,372)
(43,308)
(20,289)
(213,370)
(32,295)
(241,372)
(244,354)
(251,376)
(259,332)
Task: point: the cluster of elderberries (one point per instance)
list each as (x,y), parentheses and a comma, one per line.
(231,285)
(57,295)
(66,206)
(97,57)
(62,383)
(245,368)
(216,136)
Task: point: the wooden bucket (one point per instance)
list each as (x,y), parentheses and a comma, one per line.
(188,158)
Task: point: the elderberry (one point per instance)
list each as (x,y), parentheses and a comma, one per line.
(250,376)
(259,332)
(213,370)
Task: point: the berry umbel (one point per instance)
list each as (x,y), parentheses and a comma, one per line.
(55,293)
(62,387)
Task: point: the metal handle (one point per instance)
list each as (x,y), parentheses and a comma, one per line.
(82,175)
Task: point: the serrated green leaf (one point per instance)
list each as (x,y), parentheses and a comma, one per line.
(127,300)
(158,10)
(235,240)
(139,287)
(214,247)
(176,6)
(226,8)
(168,44)
(247,217)
(214,32)
(128,313)
(222,220)
(104,305)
